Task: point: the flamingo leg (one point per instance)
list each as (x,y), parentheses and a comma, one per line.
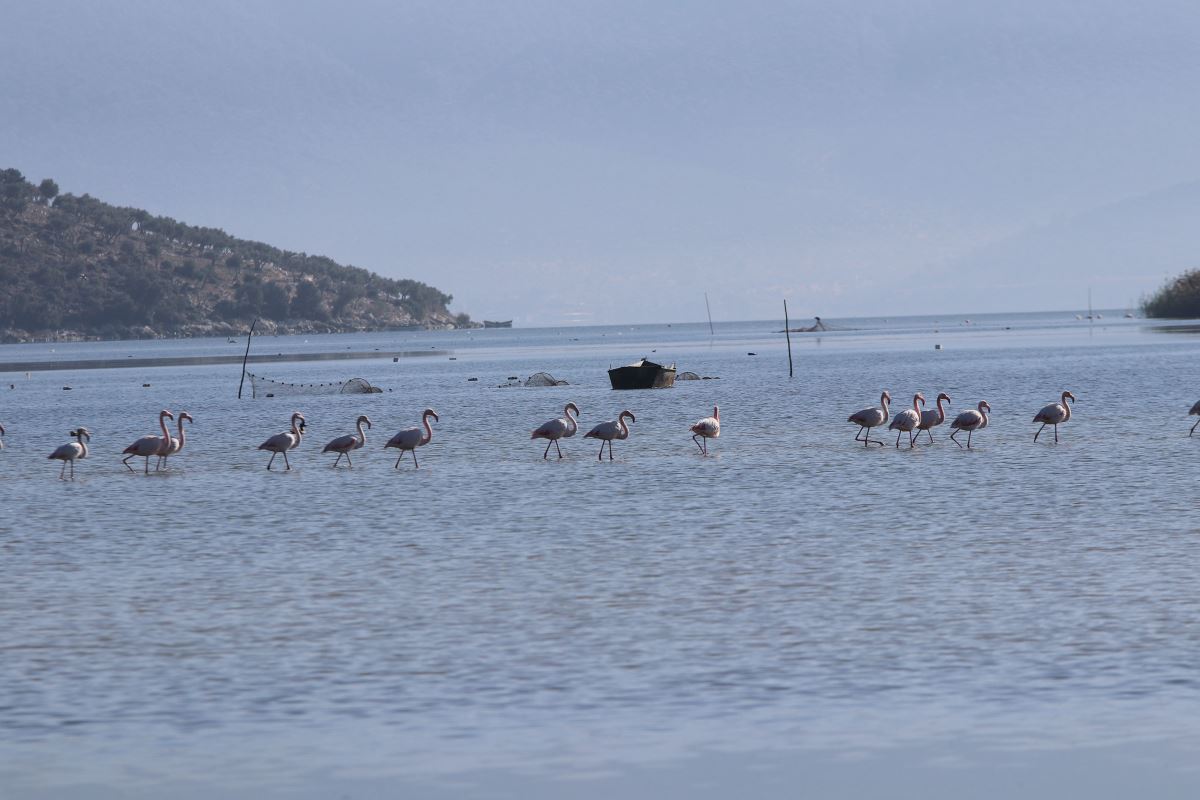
(286,463)
(969,439)
(124,461)
(556,447)
(601,455)
(953,439)
(336,460)
(348,462)
(72,470)
(415,464)
(860,430)
(1056,434)
(546,454)
(930,434)
(62,471)
(910,438)
(898,432)
(398,460)
(610,457)
(272,461)
(1039,432)
(147,469)
(1193,430)
(696,439)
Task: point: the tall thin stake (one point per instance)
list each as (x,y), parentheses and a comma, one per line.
(709,310)
(246,357)
(787,329)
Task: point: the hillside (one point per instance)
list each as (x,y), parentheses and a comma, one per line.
(76,267)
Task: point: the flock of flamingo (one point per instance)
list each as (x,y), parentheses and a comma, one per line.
(408,440)
(917,419)
(910,420)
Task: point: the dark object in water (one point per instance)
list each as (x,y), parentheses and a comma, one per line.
(642,374)
(488,323)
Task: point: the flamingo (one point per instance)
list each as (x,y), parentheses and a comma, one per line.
(607,431)
(1054,414)
(176,443)
(344,444)
(288,440)
(907,420)
(150,445)
(1195,410)
(931,419)
(412,438)
(705,429)
(561,428)
(871,418)
(70,452)
(970,421)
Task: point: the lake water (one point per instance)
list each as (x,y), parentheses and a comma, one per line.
(794,615)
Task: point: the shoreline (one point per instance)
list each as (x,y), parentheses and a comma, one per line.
(191,361)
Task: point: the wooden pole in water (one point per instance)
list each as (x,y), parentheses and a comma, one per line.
(246,357)
(709,310)
(787,329)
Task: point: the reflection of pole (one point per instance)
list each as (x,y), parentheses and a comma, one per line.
(246,357)
(709,310)
(787,329)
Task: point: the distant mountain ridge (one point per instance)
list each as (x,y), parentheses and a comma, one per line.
(76,267)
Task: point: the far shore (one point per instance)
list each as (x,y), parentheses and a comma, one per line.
(189,361)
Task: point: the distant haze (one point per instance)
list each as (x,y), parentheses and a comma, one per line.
(556,162)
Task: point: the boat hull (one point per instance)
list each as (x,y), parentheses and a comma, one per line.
(646,375)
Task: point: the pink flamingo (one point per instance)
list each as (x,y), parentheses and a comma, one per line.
(288,440)
(1195,410)
(561,428)
(931,419)
(148,446)
(411,438)
(970,421)
(344,444)
(871,418)
(70,452)
(907,420)
(607,431)
(1054,414)
(705,429)
(176,443)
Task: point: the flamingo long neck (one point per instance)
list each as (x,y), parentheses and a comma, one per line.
(299,434)
(717,413)
(883,401)
(572,424)
(624,429)
(1066,406)
(917,403)
(182,435)
(83,448)
(941,411)
(362,435)
(162,423)
(983,409)
(428,429)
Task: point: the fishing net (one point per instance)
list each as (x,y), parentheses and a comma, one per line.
(266,387)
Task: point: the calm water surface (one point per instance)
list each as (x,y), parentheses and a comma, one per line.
(229,631)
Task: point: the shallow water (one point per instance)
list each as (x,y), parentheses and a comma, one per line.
(795,593)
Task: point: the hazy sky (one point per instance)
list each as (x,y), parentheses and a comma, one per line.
(611,161)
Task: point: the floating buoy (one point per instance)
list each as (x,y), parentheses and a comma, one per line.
(452,358)
(66,388)
(472,379)
(937,347)
(395,359)
(145,386)
(751,354)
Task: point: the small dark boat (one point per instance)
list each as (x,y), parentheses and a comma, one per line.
(642,375)
(488,323)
